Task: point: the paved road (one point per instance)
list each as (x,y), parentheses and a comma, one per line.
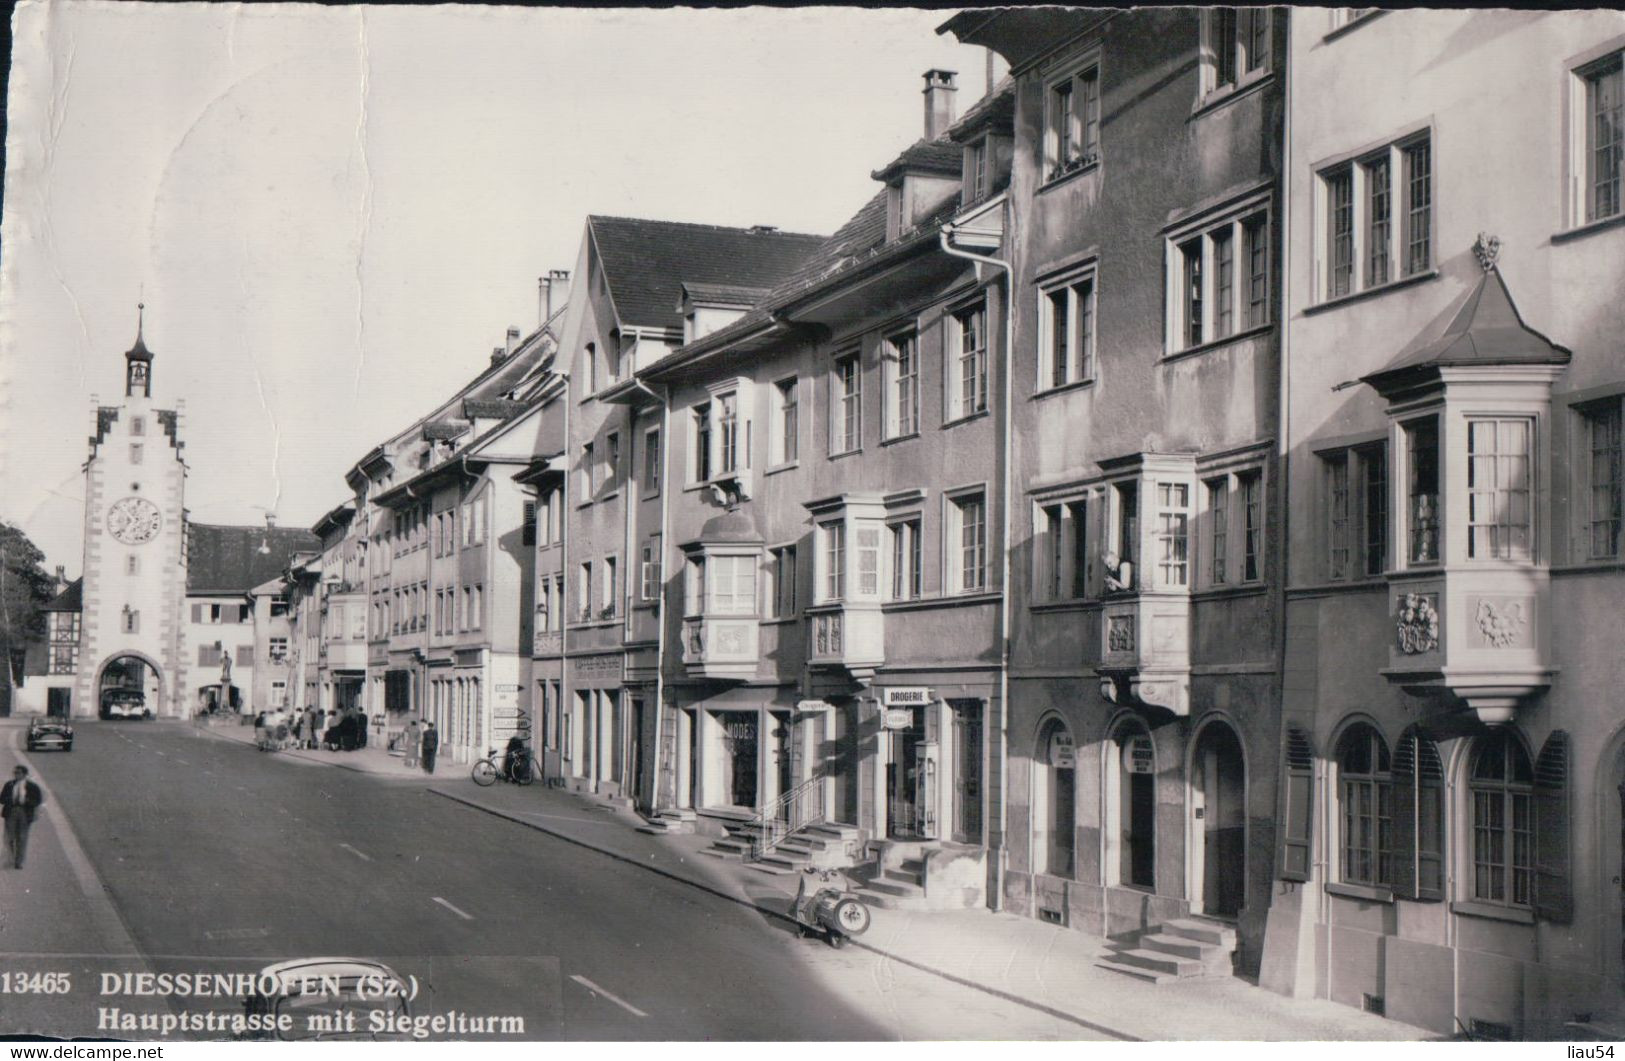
(221,858)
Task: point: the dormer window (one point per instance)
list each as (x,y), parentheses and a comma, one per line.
(1072,121)
(977,178)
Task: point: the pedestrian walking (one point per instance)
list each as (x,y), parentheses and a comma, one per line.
(431,745)
(313,727)
(410,737)
(19,800)
(360,728)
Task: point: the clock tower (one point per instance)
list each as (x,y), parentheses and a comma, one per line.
(134,562)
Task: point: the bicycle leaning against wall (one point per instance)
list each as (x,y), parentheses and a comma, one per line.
(517,763)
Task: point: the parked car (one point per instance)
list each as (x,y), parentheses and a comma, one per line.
(317,993)
(49,734)
(125,703)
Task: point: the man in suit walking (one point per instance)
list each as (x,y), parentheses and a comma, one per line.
(19,799)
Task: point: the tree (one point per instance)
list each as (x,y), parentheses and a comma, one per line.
(24,589)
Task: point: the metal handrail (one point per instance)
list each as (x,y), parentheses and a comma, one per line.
(767,830)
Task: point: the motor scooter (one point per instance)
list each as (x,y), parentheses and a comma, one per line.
(829,908)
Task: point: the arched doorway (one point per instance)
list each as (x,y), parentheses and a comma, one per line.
(1131,806)
(128,686)
(1055,787)
(1218,822)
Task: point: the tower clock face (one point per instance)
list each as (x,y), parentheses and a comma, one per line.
(134,520)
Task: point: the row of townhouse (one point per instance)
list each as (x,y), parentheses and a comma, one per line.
(1178,492)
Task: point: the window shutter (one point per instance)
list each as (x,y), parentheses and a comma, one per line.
(245,655)
(528,537)
(1403,772)
(1429,821)
(1297,803)
(197,613)
(1554,899)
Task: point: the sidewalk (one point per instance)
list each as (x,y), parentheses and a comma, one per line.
(373,759)
(55,916)
(1026,961)
(1046,967)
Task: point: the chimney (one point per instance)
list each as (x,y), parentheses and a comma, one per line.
(497,355)
(555,290)
(940,88)
(511,342)
(61,578)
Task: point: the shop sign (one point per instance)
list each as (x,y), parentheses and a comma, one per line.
(899,717)
(1062,754)
(804,706)
(905,696)
(1138,756)
(596,667)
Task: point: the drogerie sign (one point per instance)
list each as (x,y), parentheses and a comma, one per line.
(905,696)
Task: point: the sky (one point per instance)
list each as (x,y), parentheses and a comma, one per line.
(334,213)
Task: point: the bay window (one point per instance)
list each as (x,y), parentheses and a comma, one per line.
(1498,488)
(1422,491)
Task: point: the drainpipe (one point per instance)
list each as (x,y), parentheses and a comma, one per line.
(664,398)
(565,581)
(998,852)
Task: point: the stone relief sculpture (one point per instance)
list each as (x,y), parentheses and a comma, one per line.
(1418,626)
(1499,623)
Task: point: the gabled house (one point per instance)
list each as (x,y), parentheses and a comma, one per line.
(834,531)
(642,288)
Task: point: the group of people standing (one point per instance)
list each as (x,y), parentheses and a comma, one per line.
(344,731)
(419,744)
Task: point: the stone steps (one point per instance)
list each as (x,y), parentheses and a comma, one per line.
(1181,949)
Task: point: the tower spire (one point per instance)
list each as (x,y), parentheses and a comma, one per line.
(138,359)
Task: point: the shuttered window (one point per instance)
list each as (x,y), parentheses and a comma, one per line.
(1297,806)
(1500,791)
(1365,792)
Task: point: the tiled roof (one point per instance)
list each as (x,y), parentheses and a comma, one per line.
(997,108)
(932,156)
(71,599)
(227,560)
(862,234)
(645,262)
